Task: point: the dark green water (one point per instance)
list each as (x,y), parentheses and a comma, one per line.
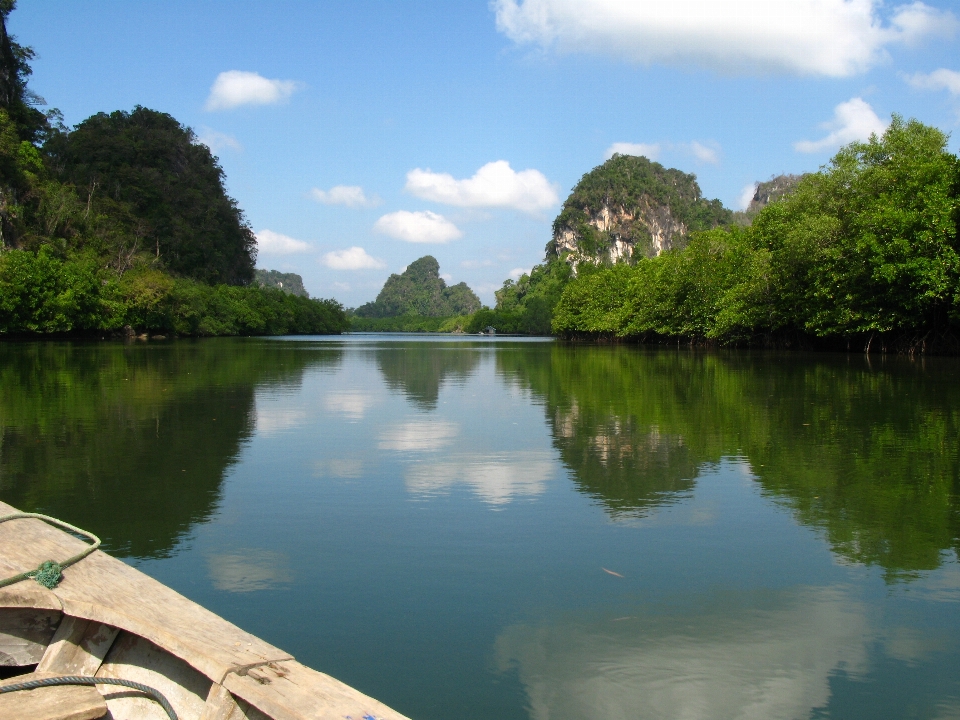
(433,521)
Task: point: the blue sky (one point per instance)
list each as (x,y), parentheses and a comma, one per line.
(358,136)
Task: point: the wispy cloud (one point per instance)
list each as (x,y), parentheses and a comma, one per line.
(234,88)
(349,195)
(417,227)
(746,195)
(354,258)
(218,141)
(941,79)
(496,184)
(852,120)
(650,151)
(835,38)
(517,273)
(705,153)
(274,243)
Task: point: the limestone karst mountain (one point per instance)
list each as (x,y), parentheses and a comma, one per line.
(631,207)
(419,290)
(290,283)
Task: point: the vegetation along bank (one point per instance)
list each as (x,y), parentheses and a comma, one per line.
(122,224)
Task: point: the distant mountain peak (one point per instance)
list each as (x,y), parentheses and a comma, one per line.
(419,290)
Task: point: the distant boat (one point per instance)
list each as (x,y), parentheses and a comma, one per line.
(108,621)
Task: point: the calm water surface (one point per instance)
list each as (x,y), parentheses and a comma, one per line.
(506,529)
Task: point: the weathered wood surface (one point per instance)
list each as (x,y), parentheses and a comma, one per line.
(102,589)
(291,691)
(133,658)
(25,634)
(77,648)
(66,702)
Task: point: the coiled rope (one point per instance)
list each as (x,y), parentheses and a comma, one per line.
(80,680)
(50,572)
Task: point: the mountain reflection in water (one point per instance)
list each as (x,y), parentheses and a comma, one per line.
(134,440)
(513,529)
(866,451)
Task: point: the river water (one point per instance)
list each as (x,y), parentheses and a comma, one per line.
(505,528)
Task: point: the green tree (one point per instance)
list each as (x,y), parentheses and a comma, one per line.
(149,181)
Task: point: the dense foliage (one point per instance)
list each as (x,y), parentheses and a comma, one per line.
(42,293)
(124,221)
(419,290)
(865,250)
(143,177)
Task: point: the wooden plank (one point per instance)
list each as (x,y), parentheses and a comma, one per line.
(133,658)
(266,682)
(221,705)
(78,647)
(25,634)
(291,691)
(103,589)
(28,595)
(66,702)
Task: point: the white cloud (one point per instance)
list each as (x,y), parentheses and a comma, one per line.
(349,195)
(941,79)
(704,153)
(274,243)
(496,184)
(447,278)
(238,87)
(517,273)
(852,120)
(417,227)
(647,150)
(218,141)
(815,37)
(746,195)
(354,258)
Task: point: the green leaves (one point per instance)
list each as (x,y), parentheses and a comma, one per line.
(866,246)
(41,293)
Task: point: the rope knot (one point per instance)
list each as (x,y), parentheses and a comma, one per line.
(48,574)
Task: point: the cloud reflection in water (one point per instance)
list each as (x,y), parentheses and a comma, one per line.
(418,436)
(762,655)
(496,479)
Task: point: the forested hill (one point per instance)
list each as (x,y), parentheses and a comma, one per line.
(631,207)
(122,225)
(146,185)
(290,283)
(863,255)
(420,291)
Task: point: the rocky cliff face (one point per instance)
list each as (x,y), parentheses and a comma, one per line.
(628,208)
